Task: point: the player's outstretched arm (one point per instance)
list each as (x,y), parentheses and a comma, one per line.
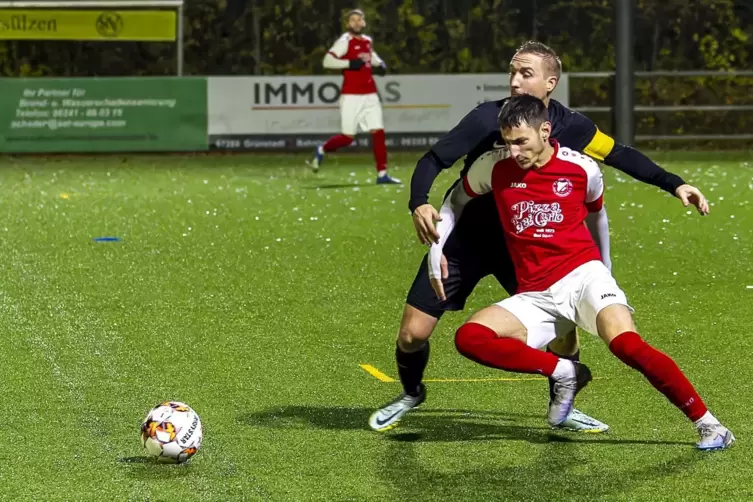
(582,134)
(637,165)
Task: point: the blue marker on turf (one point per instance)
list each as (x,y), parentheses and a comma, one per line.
(107,239)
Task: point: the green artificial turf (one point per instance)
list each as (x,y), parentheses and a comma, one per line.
(252,289)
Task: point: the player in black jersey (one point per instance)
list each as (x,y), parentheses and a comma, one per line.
(476,247)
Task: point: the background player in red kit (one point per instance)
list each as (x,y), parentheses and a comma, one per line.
(543,194)
(354,54)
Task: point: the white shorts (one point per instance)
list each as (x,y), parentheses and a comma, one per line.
(360,110)
(574,300)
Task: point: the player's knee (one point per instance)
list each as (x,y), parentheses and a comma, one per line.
(614,320)
(416,327)
(464,339)
(412,338)
(565,345)
(471,338)
(632,350)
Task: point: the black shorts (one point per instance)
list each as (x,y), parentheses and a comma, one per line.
(476,248)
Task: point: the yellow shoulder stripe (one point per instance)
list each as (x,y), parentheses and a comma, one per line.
(600,146)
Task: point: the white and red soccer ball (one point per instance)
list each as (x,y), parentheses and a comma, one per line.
(171,432)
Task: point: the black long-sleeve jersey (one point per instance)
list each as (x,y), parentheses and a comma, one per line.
(478,133)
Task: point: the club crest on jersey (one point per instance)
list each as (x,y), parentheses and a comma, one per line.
(562,187)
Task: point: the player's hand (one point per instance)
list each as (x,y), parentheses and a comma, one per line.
(436,282)
(423,219)
(356,64)
(689,194)
(380,70)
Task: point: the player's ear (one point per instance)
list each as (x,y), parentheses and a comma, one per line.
(551,83)
(546,131)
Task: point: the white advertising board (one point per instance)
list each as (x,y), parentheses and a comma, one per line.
(296,112)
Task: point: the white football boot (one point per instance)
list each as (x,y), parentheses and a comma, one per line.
(565,390)
(714,436)
(577,421)
(388,416)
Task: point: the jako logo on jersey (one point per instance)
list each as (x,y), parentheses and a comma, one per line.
(562,187)
(527,214)
(608,295)
(517,185)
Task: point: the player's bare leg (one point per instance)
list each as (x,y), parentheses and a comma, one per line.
(496,338)
(332,144)
(380,157)
(567,347)
(412,356)
(615,326)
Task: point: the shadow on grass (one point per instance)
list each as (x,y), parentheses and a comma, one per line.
(143,467)
(564,466)
(435,425)
(340,185)
(560,470)
(136,460)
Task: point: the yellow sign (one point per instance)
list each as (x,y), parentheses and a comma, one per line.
(124,25)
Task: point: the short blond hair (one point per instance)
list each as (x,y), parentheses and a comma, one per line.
(553,63)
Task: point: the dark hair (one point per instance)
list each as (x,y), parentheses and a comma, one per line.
(553,63)
(523,109)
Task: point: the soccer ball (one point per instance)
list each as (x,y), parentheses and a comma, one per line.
(171,432)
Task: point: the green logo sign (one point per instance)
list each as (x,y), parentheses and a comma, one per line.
(103,115)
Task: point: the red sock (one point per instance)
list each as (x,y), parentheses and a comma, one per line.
(380,150)
(481,344)
(661,371)
(336,142)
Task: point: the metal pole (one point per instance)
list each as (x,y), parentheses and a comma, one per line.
(625,78)
(180,41)
(256,13)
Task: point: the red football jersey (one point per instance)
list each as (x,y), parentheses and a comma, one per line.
(348,47)
(543,212)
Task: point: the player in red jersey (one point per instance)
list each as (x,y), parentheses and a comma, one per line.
(354,54)
(543,194)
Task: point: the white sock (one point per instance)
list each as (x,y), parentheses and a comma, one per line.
(382,173)
(706,419)
(564,369)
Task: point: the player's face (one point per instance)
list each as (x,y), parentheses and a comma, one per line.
(529,74)
(356,23)
(527,143)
